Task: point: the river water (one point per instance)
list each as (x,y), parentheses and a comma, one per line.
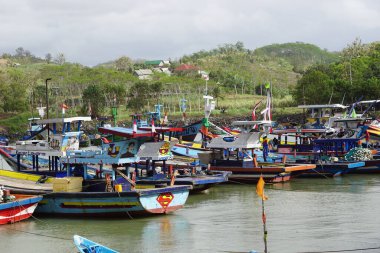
(305,215)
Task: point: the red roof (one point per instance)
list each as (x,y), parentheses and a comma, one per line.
(185,67)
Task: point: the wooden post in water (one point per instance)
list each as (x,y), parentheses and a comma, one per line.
(264,226)
(260,192)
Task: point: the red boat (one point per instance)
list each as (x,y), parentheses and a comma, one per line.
(16,207)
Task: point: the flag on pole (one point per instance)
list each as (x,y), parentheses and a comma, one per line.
(153,127)
(134,127)
(166,118)
(64,108)
(254,112)
(260,188)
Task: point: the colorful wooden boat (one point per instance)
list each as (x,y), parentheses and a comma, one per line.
(115,204)
(147,160)
(16,207)
(93,185)
(70,197)
(85,245)
(228,156)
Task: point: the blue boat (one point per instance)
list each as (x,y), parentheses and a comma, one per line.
(98,182)
(85,245)
(125,204)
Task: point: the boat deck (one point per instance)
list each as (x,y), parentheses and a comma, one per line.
(24,184)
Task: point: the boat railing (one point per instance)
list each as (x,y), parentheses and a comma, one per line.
(83,153)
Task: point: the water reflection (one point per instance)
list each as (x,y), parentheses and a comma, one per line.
(302,215)
(164,234)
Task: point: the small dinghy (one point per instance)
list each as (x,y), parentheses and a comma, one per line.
(86,246)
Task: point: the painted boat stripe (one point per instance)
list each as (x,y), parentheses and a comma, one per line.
(28,210)
(101,203)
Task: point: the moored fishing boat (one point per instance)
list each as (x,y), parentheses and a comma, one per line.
(152,155)
(234,155)
(94,185)
(16,207)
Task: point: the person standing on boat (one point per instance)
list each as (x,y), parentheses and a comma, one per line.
(265,148)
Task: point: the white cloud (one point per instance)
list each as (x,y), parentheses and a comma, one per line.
(91,32)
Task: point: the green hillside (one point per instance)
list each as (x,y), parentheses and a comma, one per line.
(300,55)
(236,79)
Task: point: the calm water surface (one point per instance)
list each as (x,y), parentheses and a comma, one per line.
(305,215)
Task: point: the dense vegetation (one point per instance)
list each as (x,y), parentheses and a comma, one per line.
(298,72)
(355,76)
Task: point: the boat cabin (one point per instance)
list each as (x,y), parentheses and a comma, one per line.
(319,115)
(263,126)
(61,135)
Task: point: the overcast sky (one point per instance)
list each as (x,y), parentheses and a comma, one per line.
(95,31)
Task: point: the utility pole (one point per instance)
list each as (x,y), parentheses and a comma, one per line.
(47,106)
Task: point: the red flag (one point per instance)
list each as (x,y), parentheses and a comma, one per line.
(64,108)
(134,128)
(153,127)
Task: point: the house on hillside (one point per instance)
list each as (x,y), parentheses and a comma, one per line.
(154,63)
(162,70)
(157,63)
(159,66)
(144,74)
(186,69)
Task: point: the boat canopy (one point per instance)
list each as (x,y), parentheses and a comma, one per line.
(369,102)
(243,141)
(125,132)
(332,106)
(252,123)
(63,120)
(156,151)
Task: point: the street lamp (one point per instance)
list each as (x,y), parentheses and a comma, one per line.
(47,106)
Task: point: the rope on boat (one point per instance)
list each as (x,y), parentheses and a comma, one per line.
(342,250)
(326,251)
(50,236)
(129,215)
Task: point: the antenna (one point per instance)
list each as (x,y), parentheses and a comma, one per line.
(344,95)
(332,92)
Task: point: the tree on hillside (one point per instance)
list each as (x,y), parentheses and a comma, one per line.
(141,94)
(13,85)
(124,64)
(313,88)
(48,58)
(60,59)
(20,52)
(356,75)
(138,96)
(93,100)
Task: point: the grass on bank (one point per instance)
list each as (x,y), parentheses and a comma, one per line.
(231,105)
